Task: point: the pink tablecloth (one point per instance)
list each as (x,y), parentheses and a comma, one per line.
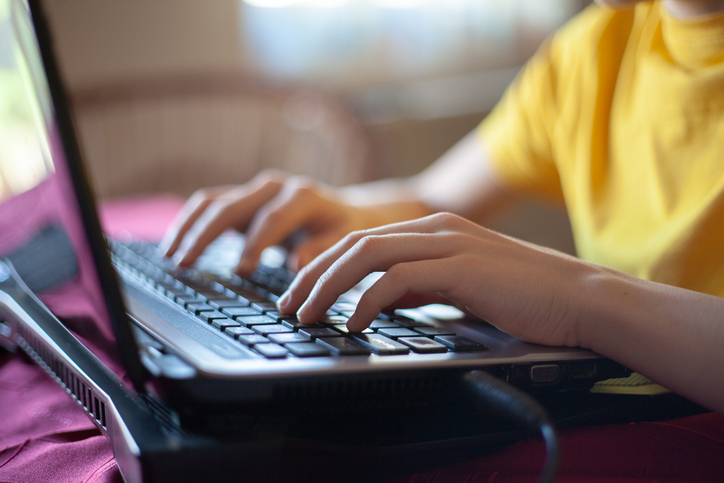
(45,437)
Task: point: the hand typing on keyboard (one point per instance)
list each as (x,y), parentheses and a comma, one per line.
(514,284)
(537,294)
(270,209)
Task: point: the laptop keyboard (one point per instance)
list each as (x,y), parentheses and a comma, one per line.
(245,310)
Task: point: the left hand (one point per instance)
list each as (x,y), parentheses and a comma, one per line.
(528,291)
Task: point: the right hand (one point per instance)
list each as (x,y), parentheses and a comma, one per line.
(269,210)
(531,292)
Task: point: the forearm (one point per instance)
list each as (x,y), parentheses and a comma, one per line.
(461,182)
(671,335)
(387,201)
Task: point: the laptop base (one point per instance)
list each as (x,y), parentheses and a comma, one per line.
(324,439)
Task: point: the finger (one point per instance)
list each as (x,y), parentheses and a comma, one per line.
(302,255)
(305,280)
(418,277)
(307,276)
(187,216)
(371,254)
(411,300)
(235,209)
(290,210)
(438,223)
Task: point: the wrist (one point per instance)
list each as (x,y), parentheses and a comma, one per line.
(384,202)
(605,294)
(624,316)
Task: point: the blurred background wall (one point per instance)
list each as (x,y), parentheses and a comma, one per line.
(419,72)
(201,93)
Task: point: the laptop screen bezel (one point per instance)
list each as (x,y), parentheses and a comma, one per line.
(107,276)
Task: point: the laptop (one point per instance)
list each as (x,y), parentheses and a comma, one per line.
(192,373)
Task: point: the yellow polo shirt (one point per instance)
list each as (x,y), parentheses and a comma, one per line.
(620,116)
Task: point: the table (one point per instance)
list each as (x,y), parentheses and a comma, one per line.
(46,437)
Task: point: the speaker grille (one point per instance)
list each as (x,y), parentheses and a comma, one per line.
(63,374)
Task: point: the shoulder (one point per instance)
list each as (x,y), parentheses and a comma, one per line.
(595,32)
(582,60)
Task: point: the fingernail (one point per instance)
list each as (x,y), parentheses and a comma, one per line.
(164,246)
(284,300)
(303,310)
(178,257)
(352,324)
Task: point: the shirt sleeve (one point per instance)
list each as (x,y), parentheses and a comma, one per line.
(517,133)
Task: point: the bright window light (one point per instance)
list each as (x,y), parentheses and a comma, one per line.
(363,42)
(296,3)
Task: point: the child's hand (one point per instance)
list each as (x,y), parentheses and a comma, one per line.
(269,209)
(525,290)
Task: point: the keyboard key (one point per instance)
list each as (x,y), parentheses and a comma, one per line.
(409,323)
(271,351)
(307,349)
(243,294)
(383,324)
(333,319)
(260,278)
(250,340)
(322,332)
(218,286)
(288,337)
(343,346)
(197,308)
(338,306)
(458,343)
(381,345)
(269,281)
(250,297)
(264,294)
(256,320)
(342,329)
(232,295)
(211,294)
(189,299)
(165,285)
(270,329)
(210,316)
(171,292)
(285,275)
(294,324)
(285,316)
(423,345)
(264,306)
(240,311)
(222,324)
(271,271)
(398,332)
(235,332)
(157,275)
(277,286)
(192,285)
(226,303)
(432,331)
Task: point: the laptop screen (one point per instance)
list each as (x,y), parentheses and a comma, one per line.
(44,221)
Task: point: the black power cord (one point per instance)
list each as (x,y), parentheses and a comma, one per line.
(502,398)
